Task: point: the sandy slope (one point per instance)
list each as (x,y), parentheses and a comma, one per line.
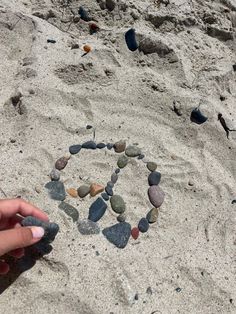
(187,56)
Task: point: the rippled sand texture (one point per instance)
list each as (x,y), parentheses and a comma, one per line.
(186,56)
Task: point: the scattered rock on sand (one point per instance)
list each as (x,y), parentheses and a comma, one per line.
(130,39)
(156,195)
(105,196)
(109,190)
(56,190)
(132,151)
(117,204)
(121,217)
(135,233)
(122,161)
(114,178)
(61,163)
(89,145)
(152,215)
(55,174)
(83,190)
(143,225)
(120,146)
(101,145)
(69,210)
(96,189)
(154,178)
(97,210)
(75,149)
(72,192)
(87,227)
(118,234)
(151,166)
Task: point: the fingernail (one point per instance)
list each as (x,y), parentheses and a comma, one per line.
(38,232)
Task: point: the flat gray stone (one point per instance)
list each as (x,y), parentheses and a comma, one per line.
(122,161)
(69,210)
(87,227)
(55,174)
(118,234)
(83,190)
(117,204)
(56,190)
(132,151)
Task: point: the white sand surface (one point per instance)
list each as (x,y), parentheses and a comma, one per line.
(187,57)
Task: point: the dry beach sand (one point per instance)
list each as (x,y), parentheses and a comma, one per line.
(186,56)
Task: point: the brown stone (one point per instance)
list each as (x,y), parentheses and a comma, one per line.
(120,146)
(61,163)
(96,189)
(72,192)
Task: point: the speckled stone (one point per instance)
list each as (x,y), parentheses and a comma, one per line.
(117,204)
(61,163)
(117,170)
(120,146)
(87,227)
(121,217)
(110,146)
(132,151)
(105,196)
(75,149)
(72,192)
(122,161)
(97,210)
(56,190)
(151,166)
(114,178)
(69,210)
(96,189)
(55,174)
(101,145)
(89,145)
(143,225)
(109,190)
(83,190)
(156,195)
(118,234)
(154,178)
(152,215)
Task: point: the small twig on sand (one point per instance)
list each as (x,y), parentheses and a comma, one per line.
(3,192)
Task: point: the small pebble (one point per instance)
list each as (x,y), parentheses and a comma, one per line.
(110,184)
(117,170)
(75,149)
(110,146)
(109,190)
(88,127)
(38,189)
(152,215)
(56,190)
(120,146)
(190,182)
(178,289)
(156,195)
(69,210)
(118,234)
(83,190)
(117,204)
(89,145)
(151,166)
(136,297)
(141,156)
(61,163)
(87,227)
(135,233)
(121,217)
(149,290)
(143,225)
(110,4)
(105,196)
(72,192)
(114,178)
(132,151)
(101,145)
(122,161)
(55,175)
(51,41)
(96,189)
(154,178)
(97,210)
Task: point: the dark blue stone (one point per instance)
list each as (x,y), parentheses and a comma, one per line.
(105,196)
(89,145)
(84,14)
(109,146)
(143,225)
(97,210)
(154,178)
(101,145)
(117,170)
(131,40)
(197,116)
(75,149)
(69,210)
(56,190)
(51,229)
(109,190)
(118,234)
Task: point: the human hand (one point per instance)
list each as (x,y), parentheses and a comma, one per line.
(13,237)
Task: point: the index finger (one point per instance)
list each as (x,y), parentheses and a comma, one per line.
(11,207)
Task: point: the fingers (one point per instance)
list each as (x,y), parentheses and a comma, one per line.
(19,238)
(17,253)
(4,268)
(9,208)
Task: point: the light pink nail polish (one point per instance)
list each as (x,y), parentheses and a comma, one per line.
(38,232)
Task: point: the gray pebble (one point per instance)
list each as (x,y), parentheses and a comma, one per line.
(56,190)
(114,178)
(83,190)
(109,190)
(110,184)
(154,178)
(88,227)
(69,210)
(151,166)
(89,145)
(55,175)
(121,217)
(132,151)
(117,204)
(75,149)
(122,161)
(118,234)
(117,170)
(110,146)
(105,196)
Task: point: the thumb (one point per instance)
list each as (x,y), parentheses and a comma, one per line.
(19,238)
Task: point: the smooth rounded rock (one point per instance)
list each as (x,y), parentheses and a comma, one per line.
(88,227)
(151,166)
(109,190)
(132,151)
(117,170)
(141,156)
(135,233)
(55,174)
(154,178)
(75,149)
(61,163)
(96,189)
(156,195)
(117,204)
(143,225)
(122,161)
(101,145)
(72,192)
(120,146)
(97,210)
(121,217)
(89,145)
(114,178)
(56,190)
(105,196)
(110,184)
(83,190)
(152,215)
(69,210)
(110,146)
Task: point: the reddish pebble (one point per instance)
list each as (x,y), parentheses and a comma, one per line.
(135,233)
